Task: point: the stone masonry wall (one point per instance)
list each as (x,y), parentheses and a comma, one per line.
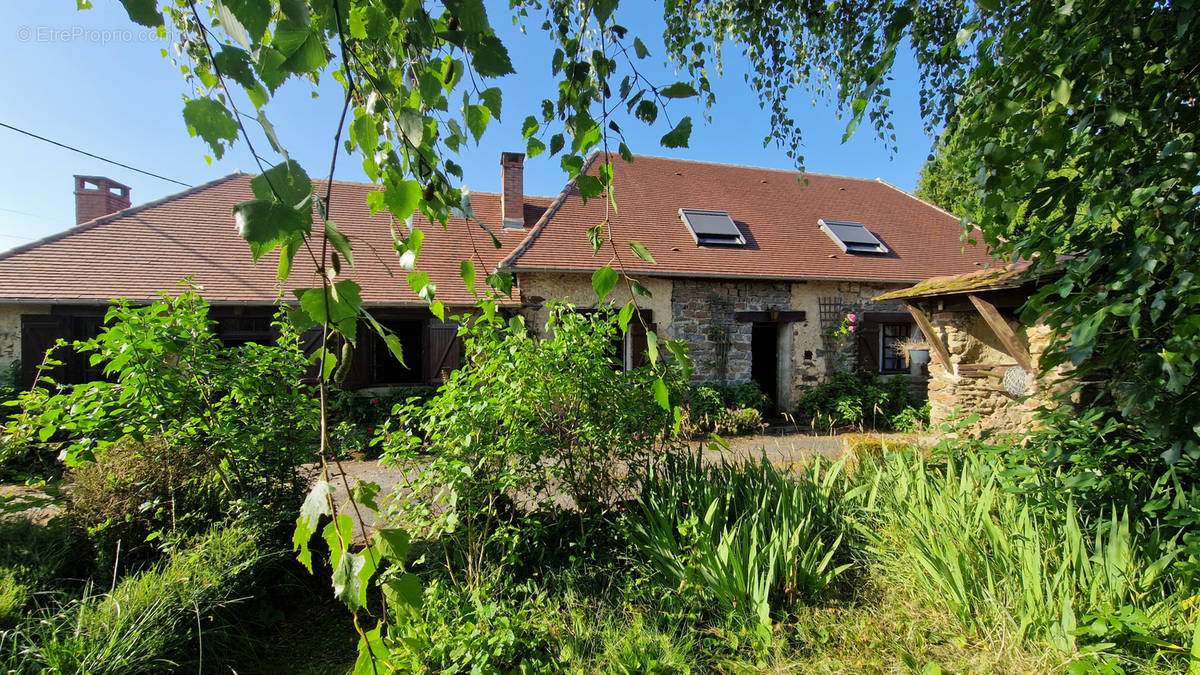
(704,315)
(10,331)
(971,341)
(537,289)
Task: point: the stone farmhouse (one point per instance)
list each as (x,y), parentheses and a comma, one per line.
(755,267)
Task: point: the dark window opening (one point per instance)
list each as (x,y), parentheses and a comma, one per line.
(386,368)
(892,335)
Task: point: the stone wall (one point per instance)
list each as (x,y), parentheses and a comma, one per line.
(703,312)
(970,341)
(10,331)
(537,289)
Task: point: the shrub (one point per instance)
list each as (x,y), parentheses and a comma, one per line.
(136,488)
(743,535)
(737,421)
(241,409)
(146,622)
(524,420)
(862,401)
(728,410)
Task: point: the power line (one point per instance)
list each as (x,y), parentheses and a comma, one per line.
(84,152)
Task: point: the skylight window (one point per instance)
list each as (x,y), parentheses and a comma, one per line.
(852,237)
(712,228)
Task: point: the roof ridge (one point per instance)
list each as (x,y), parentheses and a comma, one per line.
(542,222)
(923,201)
(108,218)
(760,168)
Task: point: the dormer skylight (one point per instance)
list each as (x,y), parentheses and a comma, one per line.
(712,228)
(852,237)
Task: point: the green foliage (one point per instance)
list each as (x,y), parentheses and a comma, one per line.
(146,622)
(725,409)
(524,414)
(859,400)
(746,536)
(234,416)
(136,488)
(959,528)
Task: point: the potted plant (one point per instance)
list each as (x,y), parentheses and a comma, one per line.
(916,351)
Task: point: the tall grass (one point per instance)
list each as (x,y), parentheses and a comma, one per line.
(146,621)
(956,529)
(746,535)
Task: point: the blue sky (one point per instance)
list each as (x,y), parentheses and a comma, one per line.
(96,81)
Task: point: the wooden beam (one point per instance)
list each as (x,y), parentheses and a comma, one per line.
(939,350)
(1012,344)
(780,316)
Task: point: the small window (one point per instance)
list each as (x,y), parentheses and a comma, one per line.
(892,335)
(712,228)
(852,237)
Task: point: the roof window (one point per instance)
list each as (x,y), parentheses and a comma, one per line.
(852,237)
(712,228)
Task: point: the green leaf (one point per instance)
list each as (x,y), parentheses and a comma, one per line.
(589,187)
(491,100)
(639,289)
(351,577)
(652,346)
(235,64)
(286,182)
(603,281)
(661,396)
(252,17)
(364,492)
(144,12)
(639,48)
(679,136)
(490,57)
(404,591)
(315,505)
(1062,91)
(467,270)
(678,90)
(502,282)
(210,121)
(394,346)
(529,127)
(310,57)
(647,111)
(339,241)
(534,148)
(557,141)
(595,235)
(402,198)
(625,315)
(477,120)
(391,544)
(341,311)
(267,224)
(421,285)
(640,251)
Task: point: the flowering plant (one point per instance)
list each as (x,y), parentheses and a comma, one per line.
(847,325)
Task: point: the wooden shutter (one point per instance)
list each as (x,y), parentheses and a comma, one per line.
(38,333)
(868,345)
(443,350)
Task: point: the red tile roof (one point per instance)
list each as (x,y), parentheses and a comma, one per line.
(775,212)
(141,251)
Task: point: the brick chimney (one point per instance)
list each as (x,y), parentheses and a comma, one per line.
(512,199)
(97,196)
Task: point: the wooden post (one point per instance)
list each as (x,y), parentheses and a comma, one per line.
(939,350)
(1005,332)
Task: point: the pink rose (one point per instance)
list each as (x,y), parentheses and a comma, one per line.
(851,329)
(852,317)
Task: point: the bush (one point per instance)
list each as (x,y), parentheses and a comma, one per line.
(234,415)
(862,401)
(146,622)
(136,488)
(728,410)
(744,535)
(524,420)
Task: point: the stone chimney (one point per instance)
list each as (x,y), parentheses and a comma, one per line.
(97,196)
(512,191)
